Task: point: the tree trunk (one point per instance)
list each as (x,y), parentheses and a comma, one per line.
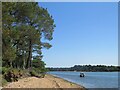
(28,64)
(10,64)
(23,59)
(16,62)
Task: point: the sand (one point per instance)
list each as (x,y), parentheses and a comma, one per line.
(48,81)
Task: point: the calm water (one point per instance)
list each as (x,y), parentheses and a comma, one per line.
(91,79)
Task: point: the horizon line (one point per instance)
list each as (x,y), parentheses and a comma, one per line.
(79,64)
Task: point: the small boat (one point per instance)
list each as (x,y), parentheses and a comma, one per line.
(82,75)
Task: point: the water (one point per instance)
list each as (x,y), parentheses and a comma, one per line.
(91,79)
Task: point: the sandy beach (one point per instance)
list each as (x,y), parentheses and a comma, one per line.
(48,81)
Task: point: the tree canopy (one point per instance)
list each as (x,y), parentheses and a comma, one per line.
(24,24)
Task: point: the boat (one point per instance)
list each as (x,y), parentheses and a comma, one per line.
(82,75)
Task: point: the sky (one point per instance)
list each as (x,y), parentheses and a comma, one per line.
(85,33)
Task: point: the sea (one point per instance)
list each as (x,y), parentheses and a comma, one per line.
(91,79)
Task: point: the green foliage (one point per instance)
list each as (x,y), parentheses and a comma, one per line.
(38,63)
(89,68)
(33,73)
(24,25)
(39,66)
(38,69)
(4,82)
(13,74)
(4,69)
(46,45)
(37,73)
(23,30)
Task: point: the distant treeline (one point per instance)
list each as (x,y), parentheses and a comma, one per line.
(88,68)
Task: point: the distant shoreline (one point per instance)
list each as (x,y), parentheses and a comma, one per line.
(83,71)
(87,68)
(49,81)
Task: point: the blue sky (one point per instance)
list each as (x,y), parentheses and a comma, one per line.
(85,33)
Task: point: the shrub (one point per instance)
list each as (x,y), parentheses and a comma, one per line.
(4,69)
(4,82)
(39,72)
(43,75)
(26,73)
(13,75)
(33,73)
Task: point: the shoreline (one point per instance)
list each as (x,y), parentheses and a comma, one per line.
(66,80)
(49,81)
(83,71)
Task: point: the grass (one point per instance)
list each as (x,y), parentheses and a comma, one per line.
(2,80)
